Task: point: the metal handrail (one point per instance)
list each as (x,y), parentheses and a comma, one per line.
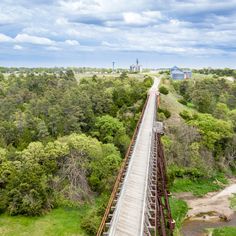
(120,174)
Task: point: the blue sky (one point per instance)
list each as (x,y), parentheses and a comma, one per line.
(161,33)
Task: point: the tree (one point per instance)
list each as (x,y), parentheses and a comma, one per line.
(123,76)
(107,128)
(213,130)
(28,192)
(103,170)
(42,130)
(163,90)
(232,115)
(1,77)
(221,111)
(203,100)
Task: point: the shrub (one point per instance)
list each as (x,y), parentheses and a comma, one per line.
(181,172)
(91,222)
(148,81)
(93,217)
(165,112)
(163,90)
(161,116)
(182,101)
(186,115)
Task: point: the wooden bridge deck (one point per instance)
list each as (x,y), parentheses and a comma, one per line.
(128,217)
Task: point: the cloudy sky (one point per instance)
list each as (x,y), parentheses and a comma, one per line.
(161,33)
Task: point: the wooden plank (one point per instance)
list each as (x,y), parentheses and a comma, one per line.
(129,213)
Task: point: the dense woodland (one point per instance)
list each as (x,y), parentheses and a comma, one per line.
(62,141)
(202,144)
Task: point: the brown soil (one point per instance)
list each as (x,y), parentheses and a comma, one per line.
(214,206)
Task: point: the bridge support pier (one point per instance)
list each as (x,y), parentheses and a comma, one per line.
(158,219)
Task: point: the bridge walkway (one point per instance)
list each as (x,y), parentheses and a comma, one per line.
(128,216)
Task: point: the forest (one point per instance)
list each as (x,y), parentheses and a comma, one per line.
(200,140)
(62,140)
(206,128)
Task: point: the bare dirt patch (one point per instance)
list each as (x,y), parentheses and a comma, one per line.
(214,206)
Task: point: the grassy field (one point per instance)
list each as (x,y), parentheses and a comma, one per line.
(198,188)
(224,231)
(59,222)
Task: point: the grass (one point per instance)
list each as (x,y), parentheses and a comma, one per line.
(224,231)
(198,187)
(170,101)
(190,105)
(59,222)
(179,209)
(233,202)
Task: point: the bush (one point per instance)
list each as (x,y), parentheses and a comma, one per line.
(163,90)
(161,117)
(186,115)
(148,81)
(181,172)
(90,222)
(93,217)
(165,112)
(182,101)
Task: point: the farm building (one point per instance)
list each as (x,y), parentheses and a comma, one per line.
(136,68)
(178,74)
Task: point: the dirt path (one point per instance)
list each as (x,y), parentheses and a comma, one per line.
(214,206)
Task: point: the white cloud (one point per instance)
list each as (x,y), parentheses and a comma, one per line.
(5,38)
(166,26)
(18,47)
(25,38)
(148,17)
(72,42)
(71,5)
(110,45)
(53,48)
(153,14)
(133,18)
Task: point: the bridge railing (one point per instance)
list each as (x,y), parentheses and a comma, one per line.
(150,221)
(121,174)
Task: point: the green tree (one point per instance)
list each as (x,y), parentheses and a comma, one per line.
(163,90)
(221,111)
(213,130)
(103,170)
(203,100)
(232,116)
(108,128)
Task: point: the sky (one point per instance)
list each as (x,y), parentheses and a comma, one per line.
(161,33)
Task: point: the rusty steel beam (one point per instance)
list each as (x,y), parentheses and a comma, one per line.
(166,225)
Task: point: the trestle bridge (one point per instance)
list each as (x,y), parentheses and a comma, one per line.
(139,203)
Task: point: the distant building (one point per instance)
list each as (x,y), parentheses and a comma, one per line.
(187,74)
(136,68)
(178,74)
